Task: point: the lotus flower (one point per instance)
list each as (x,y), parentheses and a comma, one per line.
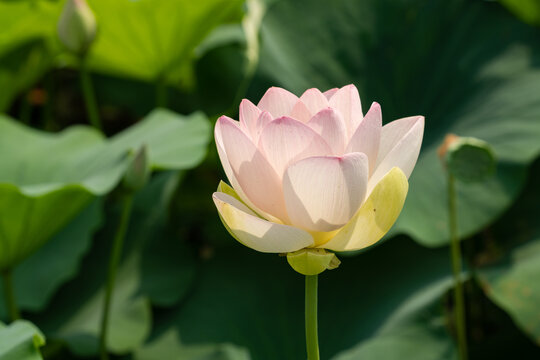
(313,172)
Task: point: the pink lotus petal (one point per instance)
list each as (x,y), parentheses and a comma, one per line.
(278,102)
(286,140)
(400,145)
(324,193)
(257,233)
(330,125)
(254,175)
(329,93)
(300,112)
(249,114)
(314,100)
(347,101)
(366,137)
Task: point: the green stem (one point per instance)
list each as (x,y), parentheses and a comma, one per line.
(459,301)
(312,338)
(89,96)
(9,292)
(116,253)
(161,93)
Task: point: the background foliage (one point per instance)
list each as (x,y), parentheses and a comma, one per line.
(185,288)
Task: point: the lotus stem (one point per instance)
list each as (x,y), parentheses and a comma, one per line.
(89,95)
(9,292)
(118,243)
(312,338)
(459,301)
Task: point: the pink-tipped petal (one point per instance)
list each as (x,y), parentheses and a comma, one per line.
(286,140)
(400,145)
(256,233)
(300,112)
(264,119)
(347,101)
(314,100)
(249,114)
(329,93)
(324,193)
(366,137)
(252,172)
(278,102)
(330,125)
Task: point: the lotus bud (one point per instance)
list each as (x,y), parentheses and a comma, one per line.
(468,159)
(138,172)
(77,26)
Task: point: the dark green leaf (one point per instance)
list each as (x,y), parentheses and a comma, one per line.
(39,276)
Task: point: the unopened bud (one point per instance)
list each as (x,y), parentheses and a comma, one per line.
(468,159)
(138,171)
(312,261)
(77,26)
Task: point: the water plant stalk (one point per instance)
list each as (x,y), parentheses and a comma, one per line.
(312,338)
(118,243)
(459,300)
(9,293)
(90,102)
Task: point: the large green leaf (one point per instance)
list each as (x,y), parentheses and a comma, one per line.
(256,300)
(74,315)
(27,20)
(39,276)
(416,330)
(20,341)
(169,346)
(513,285)
(46,179)
(527,10)
(155,40)
(469,66)
(512,282)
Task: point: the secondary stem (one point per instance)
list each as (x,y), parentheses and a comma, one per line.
(459,301)
(116,253)
(89,96)
(9,292)
(312,339)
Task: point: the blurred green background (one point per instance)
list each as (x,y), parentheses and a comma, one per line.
(163,71)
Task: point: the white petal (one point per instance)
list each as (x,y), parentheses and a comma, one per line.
(252,172)
(366,137)
(400,145)
(277,101)
(314,100)
(347,101)
(249,114)
(257,233)
(330,125)
(286,140)
(324,193)
(375,217)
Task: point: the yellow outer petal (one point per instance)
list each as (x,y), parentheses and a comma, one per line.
(255,232)
(375,217)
